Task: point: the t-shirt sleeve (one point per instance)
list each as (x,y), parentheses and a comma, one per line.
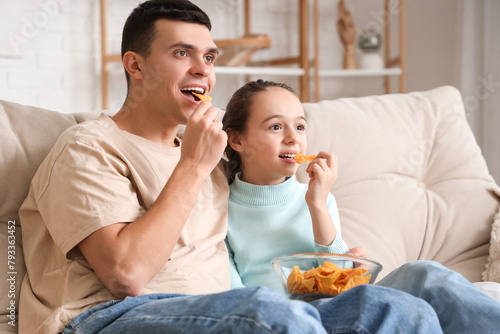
(338,245)
(85,188)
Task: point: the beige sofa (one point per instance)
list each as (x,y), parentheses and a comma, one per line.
(412,182)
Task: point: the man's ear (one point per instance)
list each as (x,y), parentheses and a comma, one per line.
(132,62)
(234,140)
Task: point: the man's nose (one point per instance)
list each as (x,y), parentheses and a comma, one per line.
(201,68)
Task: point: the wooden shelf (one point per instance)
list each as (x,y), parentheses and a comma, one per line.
(361,73)
(261,70)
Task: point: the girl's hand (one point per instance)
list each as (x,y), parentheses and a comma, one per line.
(357,251)
(322,173)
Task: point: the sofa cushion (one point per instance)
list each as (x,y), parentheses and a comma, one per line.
(492,271)
(412,181)
(26,136)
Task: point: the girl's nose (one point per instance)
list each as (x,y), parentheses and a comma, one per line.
(291,138)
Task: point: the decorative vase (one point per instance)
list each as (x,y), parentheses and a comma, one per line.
(369,42)
(371,61)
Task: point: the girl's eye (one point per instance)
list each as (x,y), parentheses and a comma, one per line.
(275,127)
(301,127)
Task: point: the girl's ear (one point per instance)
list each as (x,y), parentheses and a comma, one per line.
(234,139)
(132,63)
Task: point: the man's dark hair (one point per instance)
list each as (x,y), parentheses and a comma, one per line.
(139,30)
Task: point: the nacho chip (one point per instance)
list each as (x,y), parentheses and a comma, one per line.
(202,97)
(308,283)
(300,158)
(327,279)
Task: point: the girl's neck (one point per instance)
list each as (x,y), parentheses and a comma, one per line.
(262,181)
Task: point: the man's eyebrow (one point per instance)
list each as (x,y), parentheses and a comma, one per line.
(214,50)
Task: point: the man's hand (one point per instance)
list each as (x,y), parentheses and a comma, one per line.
(204,140)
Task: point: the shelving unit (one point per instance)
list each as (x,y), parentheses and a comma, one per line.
(106,58)
(308,66)
(393,66)
(278,66)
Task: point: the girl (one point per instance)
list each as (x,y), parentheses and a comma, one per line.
(270,213)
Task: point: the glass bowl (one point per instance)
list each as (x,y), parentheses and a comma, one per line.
(285,264)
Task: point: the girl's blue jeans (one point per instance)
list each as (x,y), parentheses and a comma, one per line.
(419,297)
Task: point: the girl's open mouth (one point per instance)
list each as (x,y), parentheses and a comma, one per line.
(287,156)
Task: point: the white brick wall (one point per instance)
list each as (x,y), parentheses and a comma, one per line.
(57,69)
(60,65)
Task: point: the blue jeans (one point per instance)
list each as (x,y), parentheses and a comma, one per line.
(459,305)
(423,298)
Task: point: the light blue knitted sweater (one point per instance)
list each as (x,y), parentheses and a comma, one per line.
(269,221)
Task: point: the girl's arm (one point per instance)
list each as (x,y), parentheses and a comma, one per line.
(338,246)
(322,173)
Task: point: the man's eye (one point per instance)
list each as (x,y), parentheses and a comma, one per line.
(210,59)
(181,53)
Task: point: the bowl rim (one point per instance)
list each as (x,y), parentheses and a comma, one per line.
(346,257)
(282,269)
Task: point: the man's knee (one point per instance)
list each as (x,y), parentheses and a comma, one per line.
(276,311)
(394,307)
(377,309)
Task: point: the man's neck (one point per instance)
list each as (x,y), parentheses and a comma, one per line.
(147,125)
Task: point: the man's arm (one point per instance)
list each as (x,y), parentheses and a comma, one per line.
(126,256)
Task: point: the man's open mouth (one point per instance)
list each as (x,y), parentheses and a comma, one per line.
(191,90)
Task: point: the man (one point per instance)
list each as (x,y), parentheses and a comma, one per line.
(120,209)
(124,225)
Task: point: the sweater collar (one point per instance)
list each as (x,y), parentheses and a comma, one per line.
(258,195)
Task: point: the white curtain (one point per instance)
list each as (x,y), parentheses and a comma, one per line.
(478,70)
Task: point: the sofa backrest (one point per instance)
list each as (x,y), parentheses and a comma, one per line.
(412,182)
(26,136)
